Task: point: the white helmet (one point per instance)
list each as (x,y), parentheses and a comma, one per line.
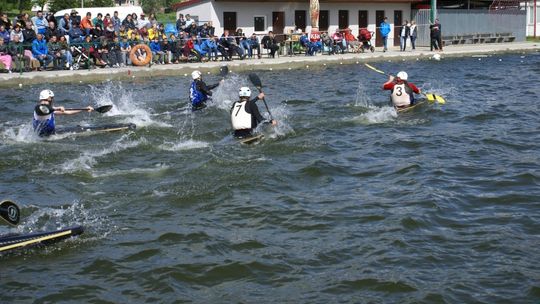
(45,94)
(196,74)
(402,75)
(244,92)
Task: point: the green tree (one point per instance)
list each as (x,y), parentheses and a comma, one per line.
(57,5)
(99,3)
(152,6)
(40,3)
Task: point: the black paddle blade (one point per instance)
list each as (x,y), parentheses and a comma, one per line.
(223,71)
(10,212)
(255,80)
(103,109)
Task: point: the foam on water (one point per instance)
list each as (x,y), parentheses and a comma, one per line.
(135,171)
(377,115)
(188,144)
(362,98)
(226,93)
(23,133)
(281,114)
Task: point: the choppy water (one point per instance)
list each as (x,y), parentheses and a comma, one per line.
(345,202)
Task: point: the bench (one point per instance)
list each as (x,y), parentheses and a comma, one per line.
(505,37)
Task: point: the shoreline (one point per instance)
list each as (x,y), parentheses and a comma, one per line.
(279,63)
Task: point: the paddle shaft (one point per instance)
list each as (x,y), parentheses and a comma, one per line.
(264,101)
(102,109)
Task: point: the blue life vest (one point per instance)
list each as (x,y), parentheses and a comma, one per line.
(195,95)
(44,127)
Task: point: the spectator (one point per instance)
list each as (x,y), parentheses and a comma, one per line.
(157,53)
(29,35)
(125,48)
(211,28)
(40,22)
(115,53)
(229,43)
(41,52)
(435,35)
(97,32)
(18,58)
(143,34)
(351,41)
(110,34)
(134,38)
(123,33)
(54,48)
(52,31)
(116,21)
(384,28)
(5,34)
(404,35)
(242,41)
(328,42)
(143,22)
(153,33)
(197,44)
(76,34)
(128,23)
(193,29)
(74,17)
(86,24)
(304,42)
(166,47)
(180,23)
(65,50)
(189,21)
(254,44)
(223,48)
(152,19)
(210,47)
(414,34)
(203,31)
(102,51)
(135,20)
(65,25)
(177,48)
(22,20)
(98,21)
(5,57)
(4,20)
(339,45)
(16,32)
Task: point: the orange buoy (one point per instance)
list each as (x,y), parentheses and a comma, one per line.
(140,55)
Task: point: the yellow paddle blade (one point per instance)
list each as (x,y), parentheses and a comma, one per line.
(373,68)
(432,98)
(440,100)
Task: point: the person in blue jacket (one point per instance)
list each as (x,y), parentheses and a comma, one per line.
(157,53)
(210,47)
(199,91)
(384,28)
(41,52)
(43,121)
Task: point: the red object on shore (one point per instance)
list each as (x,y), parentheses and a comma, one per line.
(129,72)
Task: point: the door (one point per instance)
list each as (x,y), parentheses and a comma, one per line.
(362,20)
(229,21)
(379,18)
(323,21)
(300,19)
(343,21)
(278,25)
(397,26)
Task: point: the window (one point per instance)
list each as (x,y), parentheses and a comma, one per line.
(531,14)
(300,19)
(259,23)
(323,20)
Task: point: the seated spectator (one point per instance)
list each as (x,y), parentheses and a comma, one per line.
(189,49)
(254,44)
(128,23)
(143,22)
(152,19)
(229,43)
(64,26)
(4,20)
(4,34)
(22,20)
(115,53)
(328,43)
(86,24)
(76,34)
(315,39)
(98,21)
(153,33)
(133,33)
(242,41)
(204,31)
(157,53)
(194,29)
(180,23)
(167,50)
(197,43)
(29,35)
(211,28)
(107,20)
(40,22)
(339,45)
(16,31)
(19,60)
(134,39)
(65,50)
(144,35)
(52,31)
(110,34)
(177,47)
(54,48)
(125,48)
(90,48)
(123,32)
(350,40)
(189,21)
(210,47)
(270,43)
(5,57)
(41,52)
(102,51)
(135,20)
(223,48)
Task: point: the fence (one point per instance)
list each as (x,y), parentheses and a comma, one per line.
(471,22)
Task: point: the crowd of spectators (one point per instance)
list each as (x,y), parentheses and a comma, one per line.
(43,42)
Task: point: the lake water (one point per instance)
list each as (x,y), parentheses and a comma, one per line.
(344,202)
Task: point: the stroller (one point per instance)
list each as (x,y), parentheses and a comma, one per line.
(80,57)
(365,38)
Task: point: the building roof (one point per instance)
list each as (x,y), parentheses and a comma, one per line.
(188,3)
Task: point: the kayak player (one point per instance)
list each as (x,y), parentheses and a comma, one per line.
(43,121)
(199,91)
(245,115)
(402,95)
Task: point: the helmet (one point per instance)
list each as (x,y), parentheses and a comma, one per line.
(402,75)
(196,74)
(45,94)
(244,92)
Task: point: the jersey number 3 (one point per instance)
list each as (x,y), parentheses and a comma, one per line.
(399,91)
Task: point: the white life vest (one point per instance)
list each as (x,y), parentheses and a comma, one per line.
(239,117)
(400,96)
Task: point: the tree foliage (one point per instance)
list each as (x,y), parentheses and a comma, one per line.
(153,6)
(40,3)
(57,5)
(99,3)
(19,5)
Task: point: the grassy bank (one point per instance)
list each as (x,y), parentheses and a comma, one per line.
(533,39)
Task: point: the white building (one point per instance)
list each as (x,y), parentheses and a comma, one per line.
(530,18)
(262,16)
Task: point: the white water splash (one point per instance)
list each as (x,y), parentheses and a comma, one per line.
(135,171)
(225,94)
(362,98)
(19,134)
(188,144)
(377,115)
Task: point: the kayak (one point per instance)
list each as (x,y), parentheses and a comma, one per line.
(407,109)
(251,140)
(98,128)
(12,242)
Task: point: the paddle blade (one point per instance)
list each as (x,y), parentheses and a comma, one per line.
(435,98)
(10,212)
(223,71)
(255,80)
(374,69)
(103,109)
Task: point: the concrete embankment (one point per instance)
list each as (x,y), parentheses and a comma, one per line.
(282,62)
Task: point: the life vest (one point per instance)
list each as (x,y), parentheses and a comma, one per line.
(240,118)
(402,94)
(43,124)
(195,95)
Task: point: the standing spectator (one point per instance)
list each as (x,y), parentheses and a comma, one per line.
(40,22)
(18,58)
(41,52)
(414,34)
(436,38)
(125,48)
(404,35)
(98,21)
(271,44)
(4,20)
(384,28)
(86,24)
(52,31)
(66,51)
(180,23)
(29,35)
(143,22)
(5,57)
(16,32)
(116,21)
(254,44)
(65,25)
(5,34)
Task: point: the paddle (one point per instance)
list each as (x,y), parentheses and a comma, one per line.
(102,109)
(430,96)
(256,81)
(10,212)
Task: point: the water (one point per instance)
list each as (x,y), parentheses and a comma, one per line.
(344,202)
